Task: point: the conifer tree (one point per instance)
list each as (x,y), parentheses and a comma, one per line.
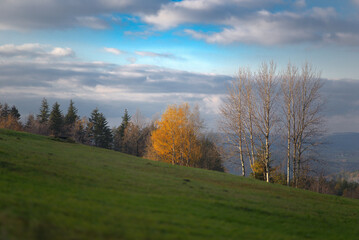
(15,112)
(98,130)
(43,117)
(5,111)
(56,120)
(119,133)
(125,121)
(71,115)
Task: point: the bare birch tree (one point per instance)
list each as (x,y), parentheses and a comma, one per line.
(266,116)
(289,79)
(310,121)
(302,106)
(233,115)
(251,112)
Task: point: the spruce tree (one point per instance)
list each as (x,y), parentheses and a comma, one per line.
(99,131)
(15,113)
(120,132)
(56,120)
(5,111)
(71,115)
(43,117)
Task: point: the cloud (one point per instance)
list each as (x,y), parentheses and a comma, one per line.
(92,22)
(62,52)
(257,22)
(110,86)
(49,14)
(201,11)
(153,54)
(266,28)
(263,22)
(300,3)
(114,51)
(34,50)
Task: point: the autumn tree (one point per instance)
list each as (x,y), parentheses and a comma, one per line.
(175,139)
(79,133)
(10,117)
(136,134)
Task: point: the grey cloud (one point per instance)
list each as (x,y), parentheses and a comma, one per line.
(109,86)
(34,50)
(150,88)
(263,27)
(38,14)
(173,14)
(154,54)
(244,21)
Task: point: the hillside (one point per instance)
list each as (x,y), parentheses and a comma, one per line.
(56,190)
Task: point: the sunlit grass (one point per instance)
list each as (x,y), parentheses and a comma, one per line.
(55,190)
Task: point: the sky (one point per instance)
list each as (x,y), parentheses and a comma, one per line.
(117,54)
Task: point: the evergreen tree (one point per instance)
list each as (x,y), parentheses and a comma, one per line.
(43,117)
(71,115)
(98,130)
(119,133)
(15,112)
(5,111)
(125,120)
(56,120)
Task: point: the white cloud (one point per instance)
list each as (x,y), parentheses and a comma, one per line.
(300,3)
(114,51)
(266,28)
(201,11)
(153,54)
(34,50)
(251,22)
(62,52)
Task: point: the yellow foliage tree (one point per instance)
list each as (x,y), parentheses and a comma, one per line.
(175,140)
(10,122)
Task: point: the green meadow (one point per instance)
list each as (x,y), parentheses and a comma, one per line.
(56,190)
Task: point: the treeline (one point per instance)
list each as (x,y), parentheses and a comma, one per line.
(339,187)
(135,135)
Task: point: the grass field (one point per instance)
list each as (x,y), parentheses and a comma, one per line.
(55,190)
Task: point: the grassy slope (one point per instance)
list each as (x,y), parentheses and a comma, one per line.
(53,190)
